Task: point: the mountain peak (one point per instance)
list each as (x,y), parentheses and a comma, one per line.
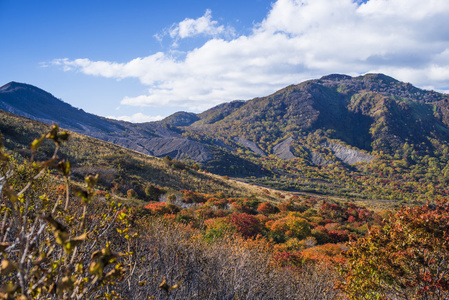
(14,86)
(378,77)
(11,86)
(336,77)
(180,118)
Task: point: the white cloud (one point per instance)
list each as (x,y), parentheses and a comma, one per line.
(203,26)
(298,40)
(137,118)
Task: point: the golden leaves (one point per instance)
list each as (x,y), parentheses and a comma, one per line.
(64,167)
(53,134)
(102,258)
(7,266)
(62,236)
(167,288)
(91,181)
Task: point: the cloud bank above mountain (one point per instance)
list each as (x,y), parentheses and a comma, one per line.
(298,40)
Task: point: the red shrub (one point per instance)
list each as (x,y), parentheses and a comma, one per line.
(267,208)
(247,225)
(162,208)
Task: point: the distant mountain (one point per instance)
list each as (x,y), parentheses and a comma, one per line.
(32,102)
(336,117)
(152,139)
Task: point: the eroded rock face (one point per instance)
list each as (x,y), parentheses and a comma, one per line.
(283,149)
(317,159)
(177,148)
(347,155)
(250,145)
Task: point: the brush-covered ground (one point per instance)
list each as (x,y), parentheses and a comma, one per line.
(165,229)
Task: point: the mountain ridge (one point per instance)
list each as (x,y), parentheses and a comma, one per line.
(353,107)
(32,102)
(345,115)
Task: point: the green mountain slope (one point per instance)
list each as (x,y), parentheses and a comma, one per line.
(371,112)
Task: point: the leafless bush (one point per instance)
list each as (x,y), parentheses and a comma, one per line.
(225,269)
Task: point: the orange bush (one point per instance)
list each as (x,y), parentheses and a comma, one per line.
(162,208)
(267,208)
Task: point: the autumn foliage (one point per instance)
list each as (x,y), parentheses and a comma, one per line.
(406,258)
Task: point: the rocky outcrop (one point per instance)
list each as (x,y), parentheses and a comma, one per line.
(317,159)
(250,145)
(177,148)
(283,149)
(347,155)
(343,153)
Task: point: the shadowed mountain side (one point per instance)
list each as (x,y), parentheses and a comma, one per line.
(34,103)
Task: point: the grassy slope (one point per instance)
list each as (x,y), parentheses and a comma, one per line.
(117,164)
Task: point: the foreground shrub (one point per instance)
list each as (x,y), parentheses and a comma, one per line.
(291,226)
(54,246)
(247,225)
(407,258)
(267,208)
(162,208)
(225,268)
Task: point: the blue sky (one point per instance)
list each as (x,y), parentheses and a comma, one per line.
(143,60)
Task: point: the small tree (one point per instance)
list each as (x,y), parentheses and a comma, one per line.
(131,194)
(51,248)
(152,192)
